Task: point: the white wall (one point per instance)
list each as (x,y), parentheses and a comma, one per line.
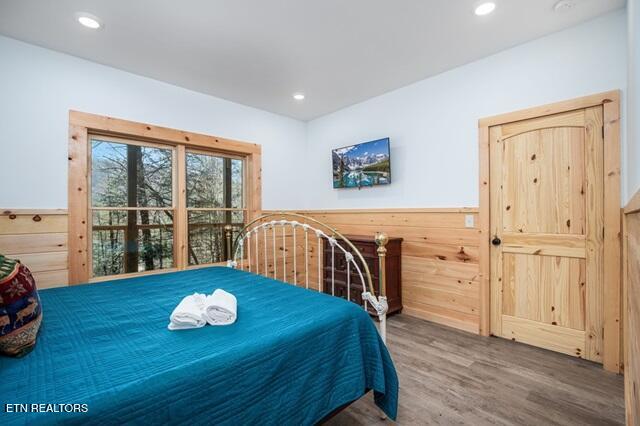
(38,87)
(433,123)
(633,99)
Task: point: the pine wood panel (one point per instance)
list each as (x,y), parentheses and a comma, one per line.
(18,223)
(43,262)
(594,318)
(51,279)
(439,258)
(33,243)
(612,235)
(78,195)
(544,170)
(631,267)
(564,340)
(38,239)
(118,126)
(548,289)
(545,244)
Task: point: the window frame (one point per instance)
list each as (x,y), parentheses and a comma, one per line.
(228,210)
(83,127)
(91,209)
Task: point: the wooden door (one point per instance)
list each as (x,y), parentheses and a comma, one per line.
(547,222)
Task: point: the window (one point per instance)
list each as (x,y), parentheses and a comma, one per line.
(215,198)
(134,204)
(130,210)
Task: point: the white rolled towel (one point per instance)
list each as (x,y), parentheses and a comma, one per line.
(189,313)
(220,308)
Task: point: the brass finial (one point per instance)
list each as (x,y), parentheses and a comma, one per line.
(381,239)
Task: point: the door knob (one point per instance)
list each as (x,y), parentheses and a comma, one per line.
(496,241)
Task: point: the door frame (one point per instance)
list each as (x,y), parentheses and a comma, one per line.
(610,102)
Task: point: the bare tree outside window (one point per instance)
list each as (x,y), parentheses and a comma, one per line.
(214,199)
(133,206)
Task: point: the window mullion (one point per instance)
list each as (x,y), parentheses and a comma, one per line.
(181,225)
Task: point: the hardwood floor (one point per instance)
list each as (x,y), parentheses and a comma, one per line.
(452,377)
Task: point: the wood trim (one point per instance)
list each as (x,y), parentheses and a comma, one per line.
(469,210)
(7,212)
(612,240)
(612,233)
(484,222)
(594,226)
(181,225)
(131,275)
(119,127)
(550,109)
(254,186)
(78,204)
(81,125)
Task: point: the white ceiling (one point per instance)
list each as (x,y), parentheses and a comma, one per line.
(259,52)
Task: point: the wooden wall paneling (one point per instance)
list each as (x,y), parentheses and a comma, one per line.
(34,243)
(631,267)
(25,223)
(43,262)
(51,279)
(38,239)
(439,263)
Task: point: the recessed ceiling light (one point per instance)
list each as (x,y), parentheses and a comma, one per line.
(298,96)
(485,8)
(88,20)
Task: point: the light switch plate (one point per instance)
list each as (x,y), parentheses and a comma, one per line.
(468,221)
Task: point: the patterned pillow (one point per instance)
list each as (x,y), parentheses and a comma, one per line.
(20,311)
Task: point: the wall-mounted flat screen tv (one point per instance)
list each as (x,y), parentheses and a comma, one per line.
(365,164)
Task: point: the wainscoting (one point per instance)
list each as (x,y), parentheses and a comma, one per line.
(39,239)
(631,274)
(439,254)
(439,258)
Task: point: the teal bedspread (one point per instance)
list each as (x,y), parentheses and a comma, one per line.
(292,357)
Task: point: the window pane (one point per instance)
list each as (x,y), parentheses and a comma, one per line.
(132,241)
(237,199)
(206,237)
(125,175)
(205,181)
(237,218)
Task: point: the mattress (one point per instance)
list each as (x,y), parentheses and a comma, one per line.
(292,357)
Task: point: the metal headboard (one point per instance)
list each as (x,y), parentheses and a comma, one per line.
(250,240)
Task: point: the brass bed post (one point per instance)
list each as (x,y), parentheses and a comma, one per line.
(381,240)
(228,229)
(376,299)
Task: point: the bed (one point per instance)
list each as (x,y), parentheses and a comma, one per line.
(293,356)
